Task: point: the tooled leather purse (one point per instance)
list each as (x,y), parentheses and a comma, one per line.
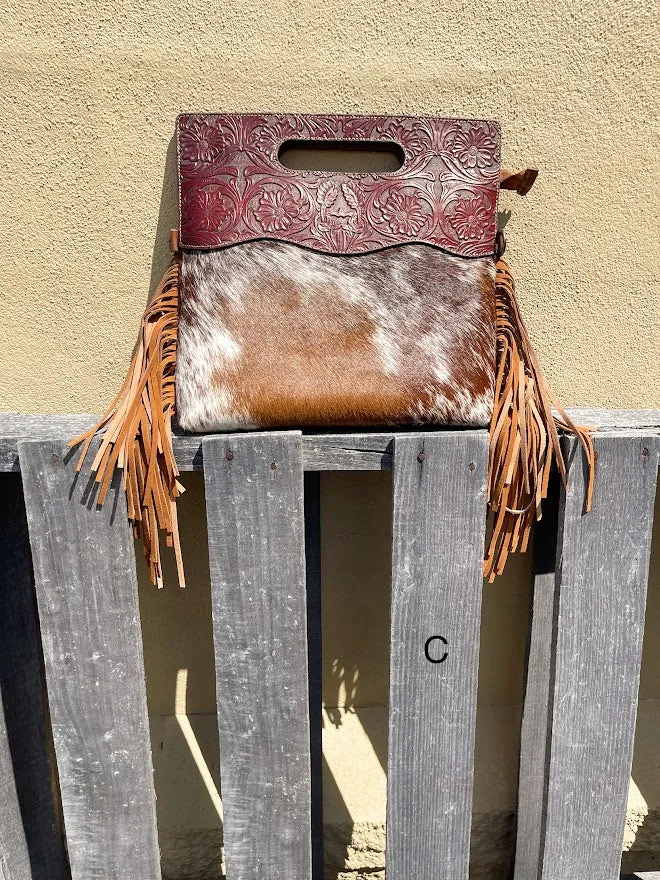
(335,299)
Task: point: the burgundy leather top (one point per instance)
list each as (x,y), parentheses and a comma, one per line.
(232,187)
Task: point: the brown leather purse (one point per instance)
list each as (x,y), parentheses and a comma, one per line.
(334,299)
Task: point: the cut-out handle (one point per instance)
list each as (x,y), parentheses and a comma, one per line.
(372,157)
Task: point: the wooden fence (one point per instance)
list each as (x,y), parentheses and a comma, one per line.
(83,637)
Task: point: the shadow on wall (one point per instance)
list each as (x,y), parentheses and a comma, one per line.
(168,218)
(356,525)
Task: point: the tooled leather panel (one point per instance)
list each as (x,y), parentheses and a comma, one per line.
(274,335)
(232,187)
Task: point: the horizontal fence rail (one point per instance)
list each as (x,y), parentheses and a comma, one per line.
(325,451)
(76,772)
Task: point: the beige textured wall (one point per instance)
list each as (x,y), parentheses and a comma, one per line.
(89,96)
(87,105)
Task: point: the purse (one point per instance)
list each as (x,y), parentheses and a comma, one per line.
(320,298)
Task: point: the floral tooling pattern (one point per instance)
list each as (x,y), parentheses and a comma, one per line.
(233,188)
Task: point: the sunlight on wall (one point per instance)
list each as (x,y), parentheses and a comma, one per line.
(363,794)
(191,739)
(636,812)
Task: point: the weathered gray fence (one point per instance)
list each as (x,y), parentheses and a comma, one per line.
(75,766)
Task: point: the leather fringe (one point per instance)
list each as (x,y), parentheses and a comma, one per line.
(524,439)
(137,431)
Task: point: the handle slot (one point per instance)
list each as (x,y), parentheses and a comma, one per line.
(371,157)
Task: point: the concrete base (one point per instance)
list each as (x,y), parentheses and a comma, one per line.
(642,844)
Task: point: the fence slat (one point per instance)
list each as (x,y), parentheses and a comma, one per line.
(88,609)
(534,733)
(437,554)
(254,503)
(602,575)
(25,738)
(343,451)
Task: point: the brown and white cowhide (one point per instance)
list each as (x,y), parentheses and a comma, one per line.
(274,335)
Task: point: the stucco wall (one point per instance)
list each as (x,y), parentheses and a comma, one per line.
(88,100)
(90,92)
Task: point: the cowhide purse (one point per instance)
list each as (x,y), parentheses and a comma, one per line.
(322,298)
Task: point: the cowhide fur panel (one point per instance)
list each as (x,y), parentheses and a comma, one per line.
(274,335)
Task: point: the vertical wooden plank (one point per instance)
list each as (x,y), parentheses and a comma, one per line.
(25,736)
(535,728)
(601,580)
(437,554)
(87,598)
(254,502)
(312,489)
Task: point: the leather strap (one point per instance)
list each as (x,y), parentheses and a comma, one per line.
(520,181)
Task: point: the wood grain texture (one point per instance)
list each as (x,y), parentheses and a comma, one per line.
(535,733)
(22,688)
(348,452)
(322,450)
(602,575)
(437,553)
(20,426)
(87,597)
(254,504)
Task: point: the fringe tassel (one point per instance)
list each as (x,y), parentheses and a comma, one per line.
(523,433)
(137,431)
